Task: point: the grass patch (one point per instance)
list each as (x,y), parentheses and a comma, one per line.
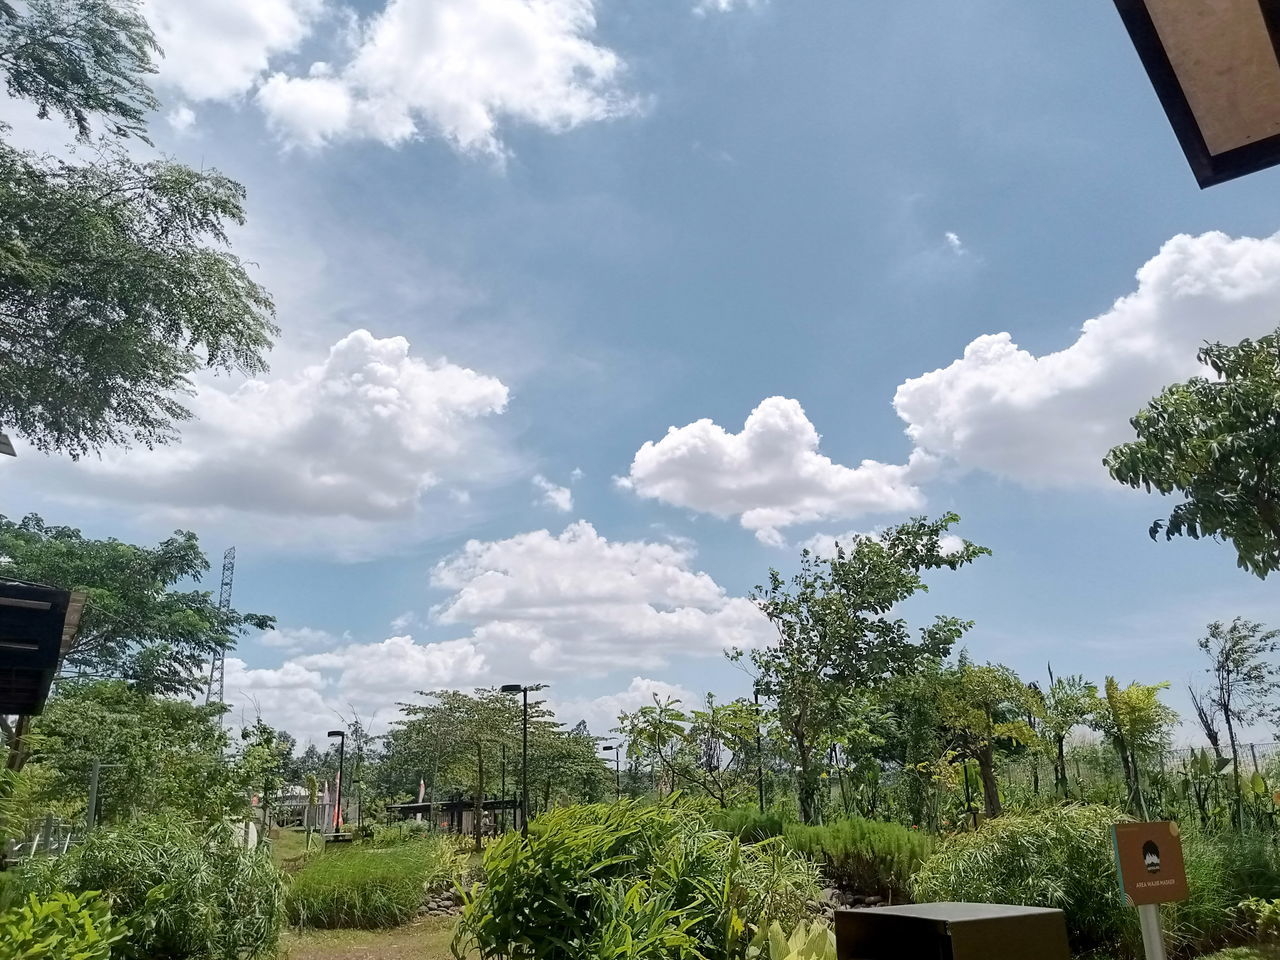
(425,940)
(365,887)
(1259,952)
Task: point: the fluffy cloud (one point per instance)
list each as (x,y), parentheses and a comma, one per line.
(601,713)
(770,475)
(578,602)
(1050,419)
(308,694)
(218,49)
(293,639)
(359,435)
(553,495)
(457,69)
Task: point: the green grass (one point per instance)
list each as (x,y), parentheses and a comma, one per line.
(425,940)
(367,887)
(1260,952)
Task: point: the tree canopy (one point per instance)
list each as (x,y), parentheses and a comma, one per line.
(81,59)
(837,634)
(116,281)
(1216,442)
(136,625)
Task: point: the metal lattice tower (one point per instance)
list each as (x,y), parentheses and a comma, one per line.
(218,669)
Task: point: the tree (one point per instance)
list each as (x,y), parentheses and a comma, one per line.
(135,625)
(81,59)
(702,749)
(1138,725)
(1068,703)
(114,289)
(1217,442)
(158,754)
(1243,681)
(836,633)
(115,281)
(981,706)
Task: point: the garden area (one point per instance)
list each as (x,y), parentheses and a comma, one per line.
(867,758)
(880,768)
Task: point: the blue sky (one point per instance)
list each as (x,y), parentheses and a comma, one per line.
(614,218)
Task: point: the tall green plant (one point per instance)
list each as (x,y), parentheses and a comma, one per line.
(367,887)
(186,895)
(587,878)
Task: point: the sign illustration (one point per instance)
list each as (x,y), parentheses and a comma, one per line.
(1149,862)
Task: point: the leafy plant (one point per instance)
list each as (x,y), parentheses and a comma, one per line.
(185,895)
(368,887)
(589,880)
(1059,858)
(62,926)
(807,942)
(1263,916)
(864,855)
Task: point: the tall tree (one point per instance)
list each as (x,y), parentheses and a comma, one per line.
(1243,681)
(980,706)
(1138,725)
(116,283)
(1216,442)
(1068,703)
(157,754)
(136,624)
(837,633)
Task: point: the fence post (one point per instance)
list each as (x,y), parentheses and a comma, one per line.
(91,815)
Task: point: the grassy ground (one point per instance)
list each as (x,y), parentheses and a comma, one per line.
(425,940)
(1247,953)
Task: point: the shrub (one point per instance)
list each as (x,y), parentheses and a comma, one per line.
(185,895)
(1053,858)
(589,880)
(748,824)
(806,942)
(866,856)
(368,887)
(62,927)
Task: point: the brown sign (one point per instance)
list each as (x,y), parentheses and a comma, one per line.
(1149,862)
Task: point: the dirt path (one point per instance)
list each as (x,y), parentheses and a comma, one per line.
(426,940)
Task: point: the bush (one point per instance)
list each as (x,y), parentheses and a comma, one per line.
(629,880)
(185,895)
(62,927)
(864,856)
(368,887)
(1053,858)
(748,824)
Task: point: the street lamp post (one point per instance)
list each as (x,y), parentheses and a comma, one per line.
(524,750)
(617,767)
(342,753)
(759,752)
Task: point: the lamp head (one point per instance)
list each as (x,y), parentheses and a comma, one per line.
(337,733)
(511,688)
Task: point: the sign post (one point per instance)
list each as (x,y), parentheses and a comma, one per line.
(1151,871)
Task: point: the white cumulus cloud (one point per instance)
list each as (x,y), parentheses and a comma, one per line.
(219,49)
(554,495)
(458,69)
(601,713)
(770,475)
(361,435)
(1050,419)
(579,602)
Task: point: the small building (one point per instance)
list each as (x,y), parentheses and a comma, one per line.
(457,814)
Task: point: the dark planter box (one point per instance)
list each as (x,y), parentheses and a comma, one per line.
(952,931)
